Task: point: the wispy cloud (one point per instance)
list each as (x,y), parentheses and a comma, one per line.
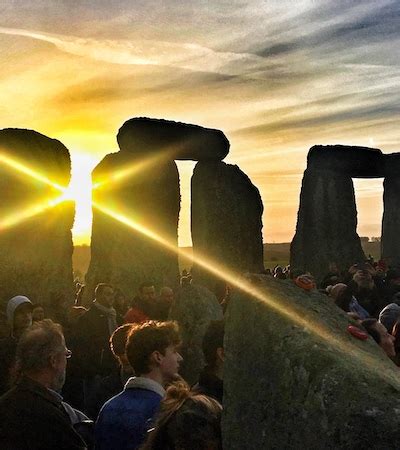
(149,52)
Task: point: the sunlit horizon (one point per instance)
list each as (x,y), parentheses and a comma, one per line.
(276,78)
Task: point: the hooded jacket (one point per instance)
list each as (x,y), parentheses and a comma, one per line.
(12,306)
(8,345)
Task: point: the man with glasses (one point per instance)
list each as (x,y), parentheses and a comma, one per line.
(32,414)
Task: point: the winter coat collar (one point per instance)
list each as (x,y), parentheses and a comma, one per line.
(145,383)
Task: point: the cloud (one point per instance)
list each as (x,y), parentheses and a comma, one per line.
(149,52)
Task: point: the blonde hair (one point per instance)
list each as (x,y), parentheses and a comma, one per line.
(186,421)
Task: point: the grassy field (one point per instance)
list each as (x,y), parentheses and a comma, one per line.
(273,254)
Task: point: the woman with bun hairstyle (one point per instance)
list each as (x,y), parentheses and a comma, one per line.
(186,421)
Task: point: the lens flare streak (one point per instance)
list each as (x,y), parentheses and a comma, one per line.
(28,213)
(19,167)
(164,155)
(334,341)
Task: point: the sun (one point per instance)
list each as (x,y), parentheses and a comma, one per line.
(80,191)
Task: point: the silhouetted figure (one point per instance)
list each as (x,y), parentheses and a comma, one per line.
(38,312)
(93,331)
(120,302)
(32,414)
(19,318)
(211,378)
(144,306)
(114,383)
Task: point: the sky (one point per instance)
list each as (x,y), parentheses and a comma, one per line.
(277,77)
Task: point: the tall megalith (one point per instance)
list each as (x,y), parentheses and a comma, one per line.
(147,198)
(294,377)
(226,220)
(391,210)
(35,226)
(327,217)
(141,184)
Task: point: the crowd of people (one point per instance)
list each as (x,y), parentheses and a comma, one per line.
(369,292)
(121,388)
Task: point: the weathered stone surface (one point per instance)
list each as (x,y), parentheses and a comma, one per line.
(391,165)
(290,388)
(326,224)
(172,140)
(195,308)
(35,249)
(148,196)
(356,162)
(226,214)
(391,220)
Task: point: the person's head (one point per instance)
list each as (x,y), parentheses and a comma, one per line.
(213,346)
(104,294)
(363,279)
(152,350)
(389,316)
(74,312)
(220,290)
(118,344)
(335,290)
(167,295)
(147,292)
(42,354)
(393,277)
(37,312)
(120,299)
(186,421)
(19,314)
(380,335)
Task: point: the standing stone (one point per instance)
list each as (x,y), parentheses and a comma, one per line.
(391,211)
(194,309)
(327,217)
(226,213)
(35,250)
(147,195)
(305,383)
(326,225)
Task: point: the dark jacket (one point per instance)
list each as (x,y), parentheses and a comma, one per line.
(32,418)
(8,348)
(124,420)
(92,348)
(108,387)
(210,385)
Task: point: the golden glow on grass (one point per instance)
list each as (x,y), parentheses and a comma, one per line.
(297,317)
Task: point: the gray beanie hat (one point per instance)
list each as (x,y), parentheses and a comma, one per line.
(13,304)
(389,315)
